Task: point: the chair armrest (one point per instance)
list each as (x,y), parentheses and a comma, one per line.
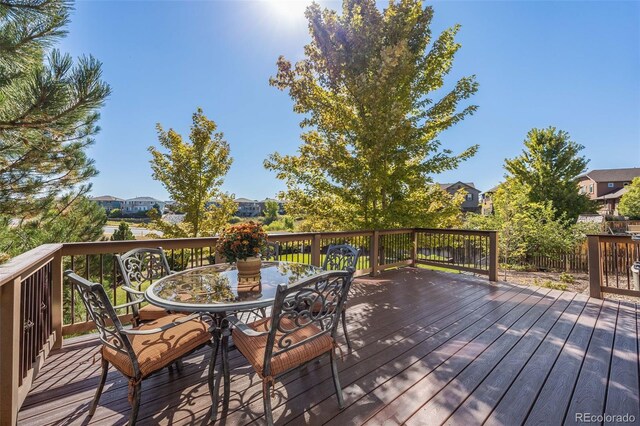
(244,328)
(175,323)
(132,291)
(172,272)
(125,305)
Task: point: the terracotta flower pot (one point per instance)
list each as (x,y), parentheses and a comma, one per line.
(249,267)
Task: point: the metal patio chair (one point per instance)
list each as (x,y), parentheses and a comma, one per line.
(138,266)
(341,257)
(140,351)
(271,251)
(295,334)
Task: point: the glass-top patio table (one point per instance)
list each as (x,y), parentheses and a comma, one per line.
(216,291)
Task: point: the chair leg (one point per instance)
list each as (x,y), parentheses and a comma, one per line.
(135,402)
(179,365)
(344,328)
(103,378)
(266,397)
(336,379)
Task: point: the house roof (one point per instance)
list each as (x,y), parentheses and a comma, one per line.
(106,198)
(446,186)
(614,195)
(145,199)
(612,175)
(492,190)
(244,200)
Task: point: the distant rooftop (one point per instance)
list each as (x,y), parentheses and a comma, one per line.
(144,199)
(447,185)
(106,198)
(613,175)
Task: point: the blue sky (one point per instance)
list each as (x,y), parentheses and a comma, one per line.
(573,65)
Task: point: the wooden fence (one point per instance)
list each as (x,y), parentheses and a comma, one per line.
(610,260)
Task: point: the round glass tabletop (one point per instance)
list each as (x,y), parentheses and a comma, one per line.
(218,288)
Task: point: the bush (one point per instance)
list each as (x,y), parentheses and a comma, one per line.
(234,220)
(567,278)
(115,213)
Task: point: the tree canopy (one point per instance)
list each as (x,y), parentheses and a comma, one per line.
(549,166)
(48,116)
(630,202)
(192,173)
(122,233)
(371,118)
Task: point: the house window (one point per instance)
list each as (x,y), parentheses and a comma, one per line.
(610,185)
(591,189)
(469,197)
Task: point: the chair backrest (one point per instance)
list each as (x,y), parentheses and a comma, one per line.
(101,311)
(142,264)
(316,300)
(341,257)
(271,251)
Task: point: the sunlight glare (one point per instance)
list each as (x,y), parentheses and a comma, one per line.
(288,10)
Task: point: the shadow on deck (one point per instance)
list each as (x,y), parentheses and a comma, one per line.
(429,348)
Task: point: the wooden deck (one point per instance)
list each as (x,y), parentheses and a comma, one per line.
(429,348)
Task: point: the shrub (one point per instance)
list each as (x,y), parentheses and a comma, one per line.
(567,278)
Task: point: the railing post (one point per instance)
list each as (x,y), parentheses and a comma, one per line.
(315,250)
(373,254)
(493,256)
(56,298)
(414,248)
(595,266)
(10,353)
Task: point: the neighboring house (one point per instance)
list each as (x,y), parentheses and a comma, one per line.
(472,198)
(142,204)
(486,200)
(108,202)
(607,186)
(248,208)
(253,208)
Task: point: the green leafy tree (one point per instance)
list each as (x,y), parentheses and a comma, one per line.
(115,213)
(48,116)
(630,202)
(271,209)
(366,89)
(525,228)
(192,173)
(549,166)
(122,233)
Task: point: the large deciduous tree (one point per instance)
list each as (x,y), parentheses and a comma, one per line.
(48,115)
(192,173)
(366,89)
(549,166)
(630,202)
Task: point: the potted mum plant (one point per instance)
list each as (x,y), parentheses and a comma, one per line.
(243,243)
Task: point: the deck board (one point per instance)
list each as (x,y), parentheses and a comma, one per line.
(429,348)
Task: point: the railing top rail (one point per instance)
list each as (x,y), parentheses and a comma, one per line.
(614,237)
(103,247)
(455,231)
(26,263)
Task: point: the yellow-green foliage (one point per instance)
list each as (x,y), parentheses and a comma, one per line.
(192,173)
(371,120)
(630,202)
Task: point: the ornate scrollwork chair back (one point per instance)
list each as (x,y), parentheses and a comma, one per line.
(340,257)
(139,266)
(271,251)
(101,311)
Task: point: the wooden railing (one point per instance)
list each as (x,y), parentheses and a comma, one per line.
(38,306)
(30,322)
(610,261)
